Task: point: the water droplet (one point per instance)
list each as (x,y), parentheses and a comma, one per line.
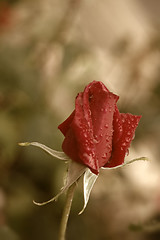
(88,148)
(120,129)
(109,146)
(127,139)
(110,108)
(107,138)
(133,137)
(85,135)
(106,125)
(90,97)
(122,148)
(104,156)
(95,136)
(88,157)
(129,121)
(96,140)
(127,152)
(128,133)
(101,135)
(102,109)
(123,120)
(124,144)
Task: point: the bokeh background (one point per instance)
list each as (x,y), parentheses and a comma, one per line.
(49,51)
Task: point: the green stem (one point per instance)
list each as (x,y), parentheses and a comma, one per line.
(66,211)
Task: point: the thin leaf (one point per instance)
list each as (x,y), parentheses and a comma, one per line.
(129,162)
(88,182)
(53,153)
(75,170)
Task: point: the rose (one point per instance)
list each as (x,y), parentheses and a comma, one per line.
(96,133)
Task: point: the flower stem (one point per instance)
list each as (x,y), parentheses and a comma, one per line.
(66,211)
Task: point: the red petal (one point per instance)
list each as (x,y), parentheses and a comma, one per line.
(88,130)
(82,128)
(117,125)
(102,106)
(70,147)
(64,127)
(120,147)
(89,137)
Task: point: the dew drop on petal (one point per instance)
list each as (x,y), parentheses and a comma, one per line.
(107,138)
(85,135)
(124,144)
(104,156)
(127,152)
(95,141)
(120,130)
(127,139)
(88,157)
(88,149)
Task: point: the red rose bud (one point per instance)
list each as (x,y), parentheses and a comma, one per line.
(96,133)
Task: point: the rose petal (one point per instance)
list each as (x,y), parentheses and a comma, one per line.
(64,127)
(102,106)
(83,131)
(117,125)
(89,129)
(120,147)
(70,147)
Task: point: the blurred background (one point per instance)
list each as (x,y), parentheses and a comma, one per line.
(49,51)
